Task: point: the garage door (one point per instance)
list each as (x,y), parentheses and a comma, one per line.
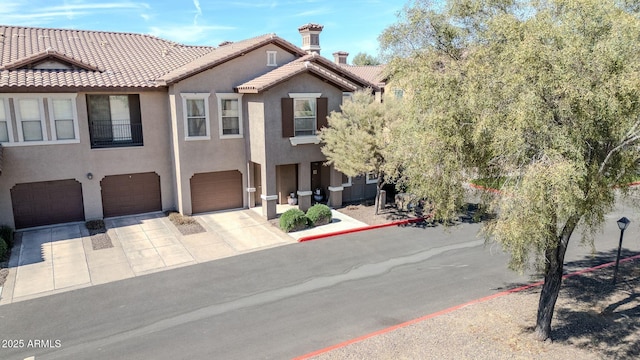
(130,194)
(216,191)
(46,203)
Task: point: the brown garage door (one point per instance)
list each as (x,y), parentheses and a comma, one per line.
(216,191)
(47,202)
(130,194)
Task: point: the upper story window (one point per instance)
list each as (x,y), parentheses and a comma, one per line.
(303,114)
(5,123)
(114,120)
(229,115)
(372,178)
(36,126)
(272,58)
(196,116)
(347,96)
(30,119)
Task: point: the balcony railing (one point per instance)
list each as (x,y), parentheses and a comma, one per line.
(112,134)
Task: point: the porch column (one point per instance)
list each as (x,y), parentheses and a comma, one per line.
(269,196)
(304,186)
(335,188)
(251,187)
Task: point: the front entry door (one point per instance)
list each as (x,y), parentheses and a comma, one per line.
(316,175)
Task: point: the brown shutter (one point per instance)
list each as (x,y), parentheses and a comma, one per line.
(287,117)
(322,111)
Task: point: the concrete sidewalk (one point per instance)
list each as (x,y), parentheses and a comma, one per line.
(55,259)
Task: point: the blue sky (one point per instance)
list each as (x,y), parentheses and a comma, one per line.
(349,25)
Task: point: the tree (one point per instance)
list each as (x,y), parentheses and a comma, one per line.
(364,59)
(357,139)
(543,94)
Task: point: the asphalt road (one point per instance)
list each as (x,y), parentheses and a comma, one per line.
(274,304)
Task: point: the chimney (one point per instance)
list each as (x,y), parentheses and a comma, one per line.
(311,37)
(340,57)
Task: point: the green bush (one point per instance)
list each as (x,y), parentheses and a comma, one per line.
(293,220)
(6,233)
(319,214)
(95,225)
(4,248)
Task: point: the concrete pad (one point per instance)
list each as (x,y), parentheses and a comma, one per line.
(211,252)
(124,221)
(110,272)
(250,238)
(103,257)
(35,252)
(64,252)
(174,255)
(71,274)
(226,221)
(133,246)
(65,232)
(201,239)
(165,241)
(33,279)
(144,260)
(131,231)
(152,224)
(157,233)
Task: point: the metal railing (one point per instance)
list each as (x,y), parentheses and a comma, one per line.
(113,134)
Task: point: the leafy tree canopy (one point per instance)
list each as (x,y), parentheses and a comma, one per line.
(365,59)
(543,92)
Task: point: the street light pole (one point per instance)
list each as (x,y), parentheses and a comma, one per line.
(623,223)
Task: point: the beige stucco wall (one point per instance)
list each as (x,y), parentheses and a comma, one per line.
(216,154)
(34,163)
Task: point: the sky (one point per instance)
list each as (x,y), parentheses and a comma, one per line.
(349,25)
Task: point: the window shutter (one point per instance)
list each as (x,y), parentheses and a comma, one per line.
(287,117)
(321,113)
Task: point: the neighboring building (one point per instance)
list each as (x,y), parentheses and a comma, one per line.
(101,124)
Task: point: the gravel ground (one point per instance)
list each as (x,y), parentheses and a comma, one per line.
(593,320)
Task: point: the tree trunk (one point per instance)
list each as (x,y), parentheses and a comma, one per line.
(553,280)
(379,185)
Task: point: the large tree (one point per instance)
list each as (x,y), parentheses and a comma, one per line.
(357,138)
(365,59)
(542,93)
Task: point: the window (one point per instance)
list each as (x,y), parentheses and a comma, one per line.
(62,114)
(5,122)
(346,180)
(303,114)
(114,120)
(347,96)
(304,117)
(372,178)
(196,116)
(29,118)
(271,58)
(230,115)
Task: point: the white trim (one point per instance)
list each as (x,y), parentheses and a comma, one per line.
(335,188)
(52,119)
(16,106)
(196,96)
(348,183)
(227,96)
(366,178)
(251,189)
(305,95)
(307,139)
(269,197)
(7,118)
(304,193)
(269,57)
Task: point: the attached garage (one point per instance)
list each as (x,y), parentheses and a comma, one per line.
(214,191)
(47,202)
(129,194)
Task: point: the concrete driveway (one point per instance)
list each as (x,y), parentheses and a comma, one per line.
(61,258)
(49,260)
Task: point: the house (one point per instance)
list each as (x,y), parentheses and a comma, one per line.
(102,124)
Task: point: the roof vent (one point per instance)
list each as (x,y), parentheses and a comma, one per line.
(225,43)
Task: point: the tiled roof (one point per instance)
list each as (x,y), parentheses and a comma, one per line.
(309,63)
(120,60)
(226,53)
(372,73)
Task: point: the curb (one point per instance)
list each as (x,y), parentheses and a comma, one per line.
(363,228)
(452,309)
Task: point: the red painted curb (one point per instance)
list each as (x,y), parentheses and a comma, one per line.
(452,309)
(368,227)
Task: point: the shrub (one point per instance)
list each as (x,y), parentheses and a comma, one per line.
(319,214)
(95,225)
(293,220)
(179,219)
(6,233)
(3,248)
